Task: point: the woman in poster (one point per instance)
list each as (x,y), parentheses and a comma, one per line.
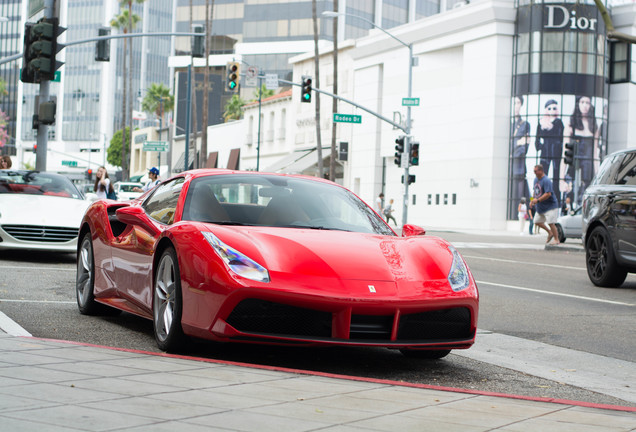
(520,142)
(549,142)
(583,132)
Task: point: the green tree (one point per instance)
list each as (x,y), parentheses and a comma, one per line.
(264,92)
(113,154)
(3,87)
(234,108)
(158,100)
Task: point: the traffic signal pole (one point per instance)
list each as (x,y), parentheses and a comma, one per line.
(45,86)
(408,140)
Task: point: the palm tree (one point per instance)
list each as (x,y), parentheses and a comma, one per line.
(126,21)
(263,92)
(158,100)
(234,108)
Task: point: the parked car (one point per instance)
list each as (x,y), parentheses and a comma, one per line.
(124,190)
(270,258)
(39,210)
(609,220)
(570,225)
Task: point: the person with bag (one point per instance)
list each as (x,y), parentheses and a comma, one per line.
(522,214)
(103,187)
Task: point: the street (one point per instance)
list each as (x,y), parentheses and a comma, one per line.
(529,297)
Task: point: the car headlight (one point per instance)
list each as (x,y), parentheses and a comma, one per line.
(236,261)
(458,275)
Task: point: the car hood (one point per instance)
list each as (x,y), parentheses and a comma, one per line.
(26,209)
(343,255)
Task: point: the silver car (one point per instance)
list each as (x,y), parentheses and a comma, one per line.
(570,225)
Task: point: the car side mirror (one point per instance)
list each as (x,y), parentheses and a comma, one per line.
(409,230)
(133,215)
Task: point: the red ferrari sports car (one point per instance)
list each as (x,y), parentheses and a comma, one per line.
(266,258)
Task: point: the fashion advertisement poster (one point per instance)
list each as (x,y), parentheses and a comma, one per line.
(542,129)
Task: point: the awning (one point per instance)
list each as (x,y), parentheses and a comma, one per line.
(212,161)
(307,163)
(178,166)
(285,161)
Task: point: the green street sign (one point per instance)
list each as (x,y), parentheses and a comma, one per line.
(69,163)
(410,101)
(158,146)
(57,77)
(347,118)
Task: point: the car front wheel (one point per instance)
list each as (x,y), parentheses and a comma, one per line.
(602,268)
(167,303)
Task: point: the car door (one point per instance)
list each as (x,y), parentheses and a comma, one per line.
(622,207)
(133,252)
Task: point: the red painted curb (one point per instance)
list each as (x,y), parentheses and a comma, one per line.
(354,378)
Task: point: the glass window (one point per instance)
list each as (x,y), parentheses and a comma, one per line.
(552,41)
(552,62)
(523,43)
(627,170)
(162,204)
(604,175)
(620,62)
(586,64)
(569,62)
(523,65)
(268,200)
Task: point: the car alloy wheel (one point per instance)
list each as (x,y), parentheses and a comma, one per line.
(167,303)
(560,233)
(602,268)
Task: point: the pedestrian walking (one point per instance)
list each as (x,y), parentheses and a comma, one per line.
(388,212)
(546,205)
(522,214)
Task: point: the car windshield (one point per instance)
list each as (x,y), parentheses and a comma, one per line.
(37,183)
(278,201)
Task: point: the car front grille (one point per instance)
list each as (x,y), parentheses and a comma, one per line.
(41,233)
(279,320)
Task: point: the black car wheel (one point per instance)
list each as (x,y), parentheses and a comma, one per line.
(560,233)
(85,281)
(167,303)
(602,268)
(425,354)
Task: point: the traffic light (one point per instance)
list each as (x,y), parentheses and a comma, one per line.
(414,153)
(35,148)
(411,178)
(46,112)
(232,73)
(40,48)
(305,89)
(569,153)
(102,49)
(89,174)
(198,42)
(399,149)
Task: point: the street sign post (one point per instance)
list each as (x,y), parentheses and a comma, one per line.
(271,81)
(251,76)
(410,101)
(158,146)
(347,118)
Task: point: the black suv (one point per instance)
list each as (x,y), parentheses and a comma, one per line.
(609,220)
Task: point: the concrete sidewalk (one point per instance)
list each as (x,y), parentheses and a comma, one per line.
(61,386)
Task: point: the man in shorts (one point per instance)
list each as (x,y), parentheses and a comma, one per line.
(547,206)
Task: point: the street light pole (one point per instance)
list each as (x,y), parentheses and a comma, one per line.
(407,141)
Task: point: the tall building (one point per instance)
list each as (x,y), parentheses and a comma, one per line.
(89,94)
(10,44)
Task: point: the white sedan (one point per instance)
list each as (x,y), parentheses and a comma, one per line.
(125,192)
(39,210)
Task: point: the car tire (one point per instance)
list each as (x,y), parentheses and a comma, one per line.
(85,281)
(424,354)
(559,229)
(602,268)
(167,303)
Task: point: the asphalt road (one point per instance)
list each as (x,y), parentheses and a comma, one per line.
(525,291)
